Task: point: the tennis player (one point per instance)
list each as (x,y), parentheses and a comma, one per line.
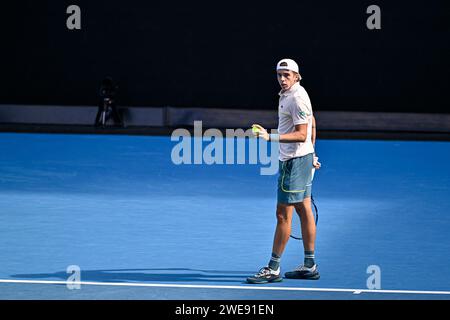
(297,162)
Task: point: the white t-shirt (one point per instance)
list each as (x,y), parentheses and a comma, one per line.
(294,108)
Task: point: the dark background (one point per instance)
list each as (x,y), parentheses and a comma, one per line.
(222,54)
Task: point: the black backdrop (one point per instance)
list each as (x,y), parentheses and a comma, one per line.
(222,54)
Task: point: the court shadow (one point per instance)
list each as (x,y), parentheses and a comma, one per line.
(184,275)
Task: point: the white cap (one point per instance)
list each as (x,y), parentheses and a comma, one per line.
(287,64)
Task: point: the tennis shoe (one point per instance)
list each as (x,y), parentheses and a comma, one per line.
(265,275)
(303,272)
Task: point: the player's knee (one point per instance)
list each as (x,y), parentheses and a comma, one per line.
(282,215)
(304,209)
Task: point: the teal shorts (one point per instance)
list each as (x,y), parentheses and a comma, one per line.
(295,179)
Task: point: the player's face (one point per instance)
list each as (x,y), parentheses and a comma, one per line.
(286,79)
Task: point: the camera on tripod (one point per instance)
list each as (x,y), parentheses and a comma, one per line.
(107,108)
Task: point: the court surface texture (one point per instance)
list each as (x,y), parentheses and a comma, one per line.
(139,226)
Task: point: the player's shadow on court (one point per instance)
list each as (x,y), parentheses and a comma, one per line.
(146,275)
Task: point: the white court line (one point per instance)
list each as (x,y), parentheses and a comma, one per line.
(159,285)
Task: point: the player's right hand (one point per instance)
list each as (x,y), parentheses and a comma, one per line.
(259,132)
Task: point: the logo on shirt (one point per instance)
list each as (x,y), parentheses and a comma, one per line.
(302,114)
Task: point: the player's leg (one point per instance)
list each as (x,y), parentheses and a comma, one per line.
(271,273)
(308,224)
(283,228)
(309,268)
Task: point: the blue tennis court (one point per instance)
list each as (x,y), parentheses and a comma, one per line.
(140,227)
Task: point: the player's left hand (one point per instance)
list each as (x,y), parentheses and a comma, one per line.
(316,163)
(259,132)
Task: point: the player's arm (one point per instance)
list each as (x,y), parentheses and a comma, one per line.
(313,133)
(298,135)
(316,162)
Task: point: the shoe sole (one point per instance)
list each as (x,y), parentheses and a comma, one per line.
(264,281)
(313,277)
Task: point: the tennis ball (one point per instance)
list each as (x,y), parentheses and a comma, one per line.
(255,129)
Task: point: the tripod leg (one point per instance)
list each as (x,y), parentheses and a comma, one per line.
(98,116)
(103,118)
